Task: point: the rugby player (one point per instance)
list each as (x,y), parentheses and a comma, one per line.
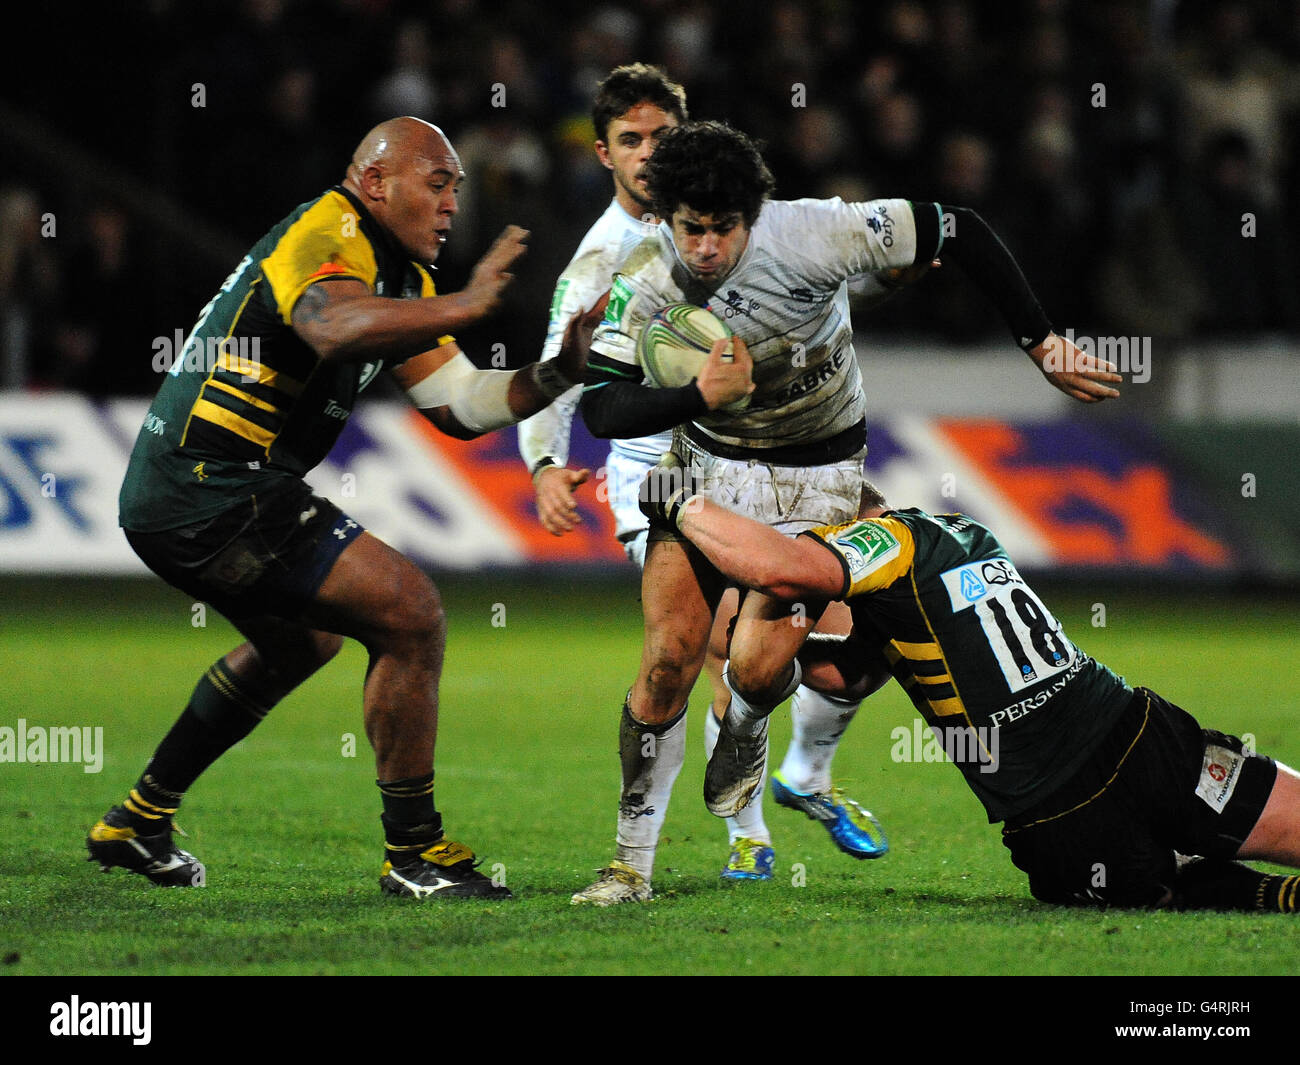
(214,499)
(1104,791)
(776,272)
(633,105)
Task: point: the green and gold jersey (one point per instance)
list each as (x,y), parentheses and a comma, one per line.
(247,406)
(1011,700)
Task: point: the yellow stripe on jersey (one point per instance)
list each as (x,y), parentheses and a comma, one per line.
(326,242)
(281,382)
(941,707)
(427,290)
(918,652)
(210,412)
(947,707)
(238,393)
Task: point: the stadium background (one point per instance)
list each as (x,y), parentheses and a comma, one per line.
(1118,147)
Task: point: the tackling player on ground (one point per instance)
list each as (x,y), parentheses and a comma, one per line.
(1100,787)
(214,500)
(776,272)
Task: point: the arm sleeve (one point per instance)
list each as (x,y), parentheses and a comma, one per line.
(971,244)
(622,408)
(615,402)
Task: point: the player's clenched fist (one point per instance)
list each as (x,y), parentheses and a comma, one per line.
(726,378)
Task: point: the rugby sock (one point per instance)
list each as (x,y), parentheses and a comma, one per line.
(411,824)
(221,712)
(818,723)
(749,823)
(652,756)
(1279,894)
(745,719)
(1212,884)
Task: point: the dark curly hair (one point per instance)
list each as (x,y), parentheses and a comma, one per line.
(625,87)
(709,167)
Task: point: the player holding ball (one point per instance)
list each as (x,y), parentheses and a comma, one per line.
(775,272)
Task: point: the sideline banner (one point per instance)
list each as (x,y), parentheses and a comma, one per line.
(1071,495)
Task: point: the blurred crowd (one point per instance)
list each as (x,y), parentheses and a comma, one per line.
(1138,156)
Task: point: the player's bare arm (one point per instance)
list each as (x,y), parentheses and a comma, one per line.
(759,557)
(464,401)
(742,549)
(343,320)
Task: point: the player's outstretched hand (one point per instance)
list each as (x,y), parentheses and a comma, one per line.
(576,345)
(1080,376)
(556,506)
(491,275)
(726,377)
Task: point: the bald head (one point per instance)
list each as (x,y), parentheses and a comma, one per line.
(398,143)
(405,172)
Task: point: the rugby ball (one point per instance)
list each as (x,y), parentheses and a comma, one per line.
(675,343)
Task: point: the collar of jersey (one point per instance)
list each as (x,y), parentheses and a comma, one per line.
(376,233)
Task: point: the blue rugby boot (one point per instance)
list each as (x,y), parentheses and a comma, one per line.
(855,831)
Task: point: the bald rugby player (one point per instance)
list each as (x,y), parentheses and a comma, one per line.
(214,500)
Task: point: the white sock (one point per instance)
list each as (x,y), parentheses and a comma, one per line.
(819,721)
(652,756)
(749,823)
(744,718)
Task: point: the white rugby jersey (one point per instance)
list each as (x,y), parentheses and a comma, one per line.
(787,298)
(589,273)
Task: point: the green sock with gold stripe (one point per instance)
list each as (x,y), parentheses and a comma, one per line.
(221,712)
(1278,894)
(1215,884)
(411,823)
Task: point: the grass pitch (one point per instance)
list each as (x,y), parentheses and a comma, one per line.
(287,822)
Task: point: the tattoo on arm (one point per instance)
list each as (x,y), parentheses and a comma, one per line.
(311,305)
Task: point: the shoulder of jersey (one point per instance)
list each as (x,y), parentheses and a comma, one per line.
(606,242)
